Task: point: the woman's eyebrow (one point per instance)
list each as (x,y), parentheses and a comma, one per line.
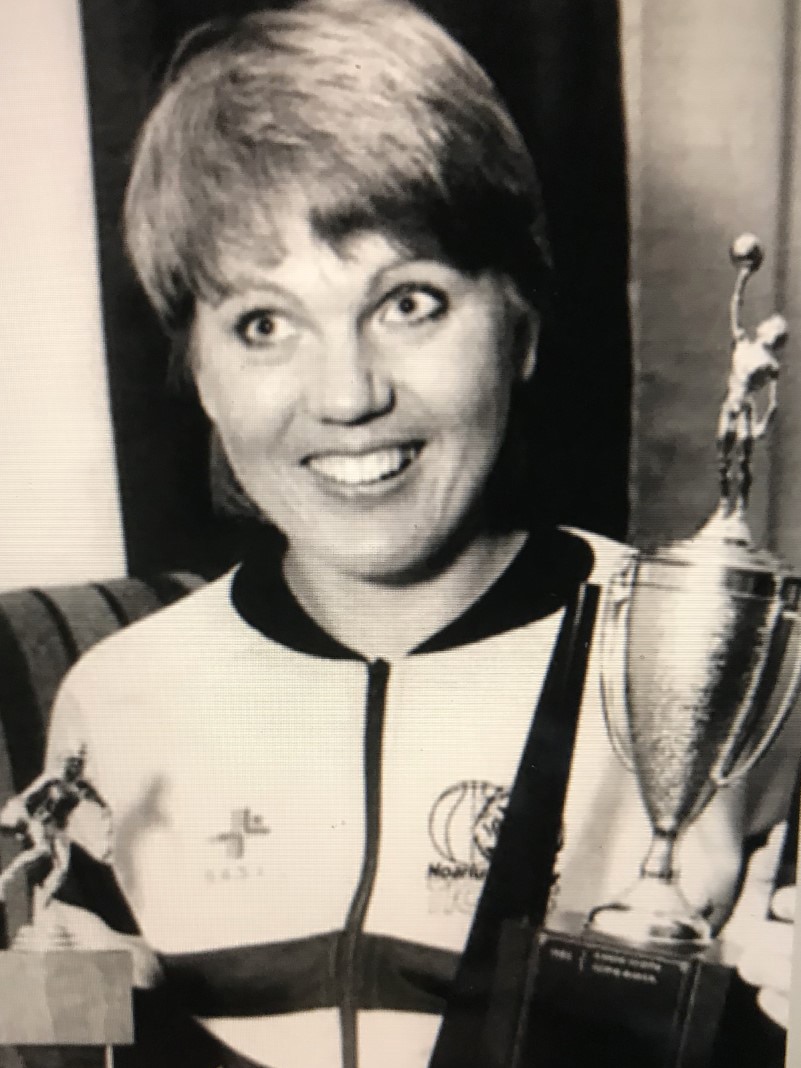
(408,265)
(254,290)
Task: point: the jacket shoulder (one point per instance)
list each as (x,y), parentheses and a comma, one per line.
(168,636)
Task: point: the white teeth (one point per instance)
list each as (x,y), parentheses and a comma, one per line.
(366,468)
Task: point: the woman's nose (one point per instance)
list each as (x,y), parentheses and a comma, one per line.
(347,385)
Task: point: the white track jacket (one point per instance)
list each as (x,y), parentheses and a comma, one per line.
(297,828)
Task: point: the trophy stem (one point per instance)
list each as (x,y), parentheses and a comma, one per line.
(654,909)
(658,863)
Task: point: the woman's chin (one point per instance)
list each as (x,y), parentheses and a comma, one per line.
(389,562)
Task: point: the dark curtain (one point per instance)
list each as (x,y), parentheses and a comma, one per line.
(557,63)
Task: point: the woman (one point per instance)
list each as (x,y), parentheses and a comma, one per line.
(308,760)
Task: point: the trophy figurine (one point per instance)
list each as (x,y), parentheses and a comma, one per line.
(700,662)
(54,992)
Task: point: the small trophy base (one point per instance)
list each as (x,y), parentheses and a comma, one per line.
(66,998)
(594,1000)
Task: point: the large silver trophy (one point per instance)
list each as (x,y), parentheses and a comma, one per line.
(701,653)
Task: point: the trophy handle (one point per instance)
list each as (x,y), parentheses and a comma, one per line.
(613,644)
(720,778)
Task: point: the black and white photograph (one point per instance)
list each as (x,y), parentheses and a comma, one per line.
(400,533)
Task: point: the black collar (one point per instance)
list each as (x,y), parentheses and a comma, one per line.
(536,583)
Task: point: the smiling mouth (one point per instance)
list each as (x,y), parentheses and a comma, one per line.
(367,468)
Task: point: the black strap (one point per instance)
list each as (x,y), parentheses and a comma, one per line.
(518,883)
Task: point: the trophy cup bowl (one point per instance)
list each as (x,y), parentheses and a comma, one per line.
(701,661)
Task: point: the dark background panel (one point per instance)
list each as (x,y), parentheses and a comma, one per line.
(557,63)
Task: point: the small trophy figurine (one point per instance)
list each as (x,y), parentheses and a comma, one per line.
(700,654)
(39,819)
(754,369)
(54,992)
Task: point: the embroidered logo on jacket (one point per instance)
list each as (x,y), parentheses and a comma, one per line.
(463,827)
(245,826)
(244,823)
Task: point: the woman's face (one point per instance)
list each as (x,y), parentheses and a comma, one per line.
(361,395)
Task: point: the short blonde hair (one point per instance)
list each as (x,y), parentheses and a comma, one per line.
(370,108)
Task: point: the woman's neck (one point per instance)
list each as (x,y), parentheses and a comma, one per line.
(385,621)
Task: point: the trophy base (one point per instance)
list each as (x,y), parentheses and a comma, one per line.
(652,911)
(594,1000)
(66,997)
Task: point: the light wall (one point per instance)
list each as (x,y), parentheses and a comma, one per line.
(59,512)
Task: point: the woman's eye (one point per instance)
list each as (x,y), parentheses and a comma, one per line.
(264,328)
(411,306)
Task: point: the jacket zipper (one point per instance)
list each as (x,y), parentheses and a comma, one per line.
(375,707)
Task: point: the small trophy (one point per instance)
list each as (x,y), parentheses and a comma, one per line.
(700,665)
(53,992)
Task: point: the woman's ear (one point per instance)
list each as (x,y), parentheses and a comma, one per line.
(526,339)
(524,324)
